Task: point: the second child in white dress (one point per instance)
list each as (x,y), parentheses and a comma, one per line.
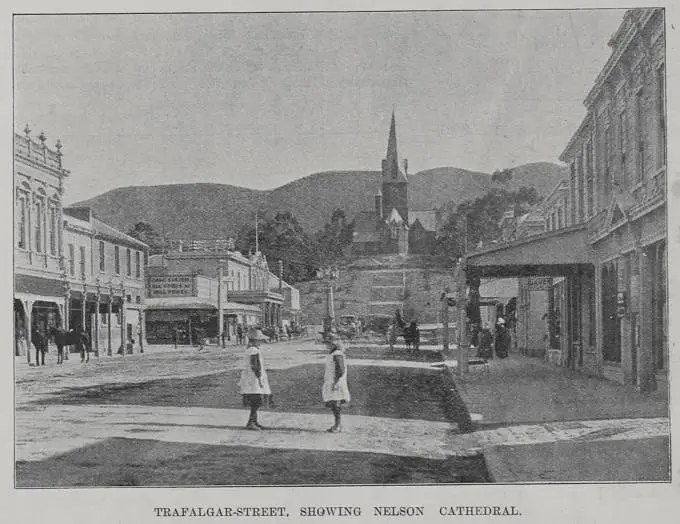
(335,391)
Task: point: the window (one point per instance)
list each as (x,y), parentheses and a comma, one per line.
(53,230)
(128,299)
(661,115)
(102,259)
(82,261)
(559,218)
(606,152)
(623,131)
(579,173)
(640,134)
(138,264)
(71,260)
(116,259)
(138,299)
(21,233)
(572,190)
(128,262)
(590,187)
(38,226)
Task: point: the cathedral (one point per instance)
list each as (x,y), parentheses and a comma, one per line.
(391,228)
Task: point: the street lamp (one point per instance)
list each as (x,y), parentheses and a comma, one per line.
(328,274)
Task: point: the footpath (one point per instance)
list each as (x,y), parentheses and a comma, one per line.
(541,423)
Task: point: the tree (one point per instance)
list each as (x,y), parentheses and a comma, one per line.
(282,238)
(145,232)
(478,220)
(334,238)
(502,176)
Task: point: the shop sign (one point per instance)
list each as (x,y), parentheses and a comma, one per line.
(540,283)
(620,304)
(171,286)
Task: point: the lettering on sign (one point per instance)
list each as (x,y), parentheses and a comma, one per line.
(540,283)
(171,286)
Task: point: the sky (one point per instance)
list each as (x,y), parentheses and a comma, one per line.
(259,100)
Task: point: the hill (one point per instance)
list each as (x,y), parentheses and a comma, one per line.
(220,210)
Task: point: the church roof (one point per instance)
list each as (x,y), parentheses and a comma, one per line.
(427,219)
(395,217)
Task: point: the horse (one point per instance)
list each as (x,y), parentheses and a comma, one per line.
(39,341)
(68,338)
(412,337)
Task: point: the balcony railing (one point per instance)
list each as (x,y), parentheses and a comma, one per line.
(30,150)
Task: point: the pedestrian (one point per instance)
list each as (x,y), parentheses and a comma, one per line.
(502,339)
(335,392)
(239,334)
(254,382)
(485,343)
(392,336)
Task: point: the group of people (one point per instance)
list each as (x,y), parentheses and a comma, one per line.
(497,342)
(256,390)
(411,334)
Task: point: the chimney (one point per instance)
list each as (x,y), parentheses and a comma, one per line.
(378,204)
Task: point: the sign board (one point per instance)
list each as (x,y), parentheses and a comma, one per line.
(171,286)
(620,304)
(540,283)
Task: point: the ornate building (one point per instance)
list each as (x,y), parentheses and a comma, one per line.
(70,269)
(605,240)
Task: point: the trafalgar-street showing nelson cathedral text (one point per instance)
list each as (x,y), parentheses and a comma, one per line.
(340,249)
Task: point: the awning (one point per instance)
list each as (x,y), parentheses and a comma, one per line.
(235,307)
(562,252)
(44,287)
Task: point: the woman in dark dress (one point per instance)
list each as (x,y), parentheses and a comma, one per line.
(502,339)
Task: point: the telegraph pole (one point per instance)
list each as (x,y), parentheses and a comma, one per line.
(220,305)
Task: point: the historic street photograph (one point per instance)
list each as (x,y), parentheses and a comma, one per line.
(340,248)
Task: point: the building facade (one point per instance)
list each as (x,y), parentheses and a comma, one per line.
(39,179)
(104,275)
(617,164)
(608,302)
(71,270)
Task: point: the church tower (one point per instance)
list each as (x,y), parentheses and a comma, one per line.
(394,182)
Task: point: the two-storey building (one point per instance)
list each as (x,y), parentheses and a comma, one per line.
(104,276)
(610,254)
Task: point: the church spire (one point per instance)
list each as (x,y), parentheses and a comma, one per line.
(392,157)
(391,168)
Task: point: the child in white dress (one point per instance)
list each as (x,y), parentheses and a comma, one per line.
(254,382)
(335,391)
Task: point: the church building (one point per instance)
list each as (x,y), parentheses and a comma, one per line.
(390,228)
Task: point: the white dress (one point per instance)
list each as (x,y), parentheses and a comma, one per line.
(249,383)
(342,392)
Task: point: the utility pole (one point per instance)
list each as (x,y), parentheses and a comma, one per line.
(220,305)
(257,241)
(445,319)
(462,319)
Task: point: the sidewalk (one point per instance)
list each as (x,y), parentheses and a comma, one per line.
(525,398)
